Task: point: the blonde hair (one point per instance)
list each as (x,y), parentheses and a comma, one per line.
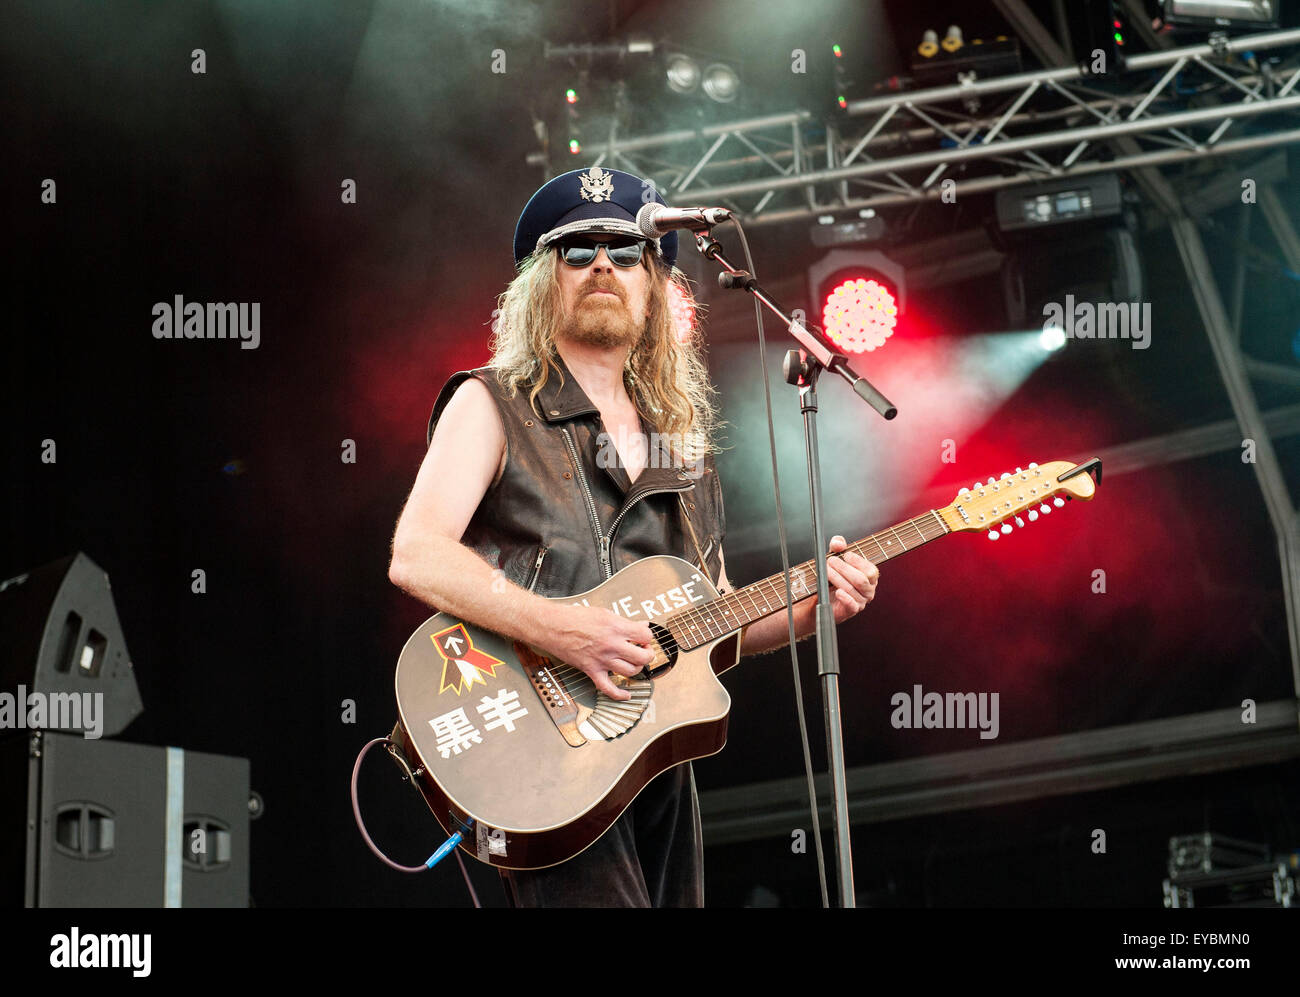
(665,377)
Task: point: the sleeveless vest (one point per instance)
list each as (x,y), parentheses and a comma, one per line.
(563,516)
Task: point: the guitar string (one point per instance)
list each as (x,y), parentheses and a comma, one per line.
(883,552)
(705,617)
(564,673)
(728,613)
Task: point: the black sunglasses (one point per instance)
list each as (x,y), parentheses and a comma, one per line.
(621,252)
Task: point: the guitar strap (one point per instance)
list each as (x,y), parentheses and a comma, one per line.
(681,502)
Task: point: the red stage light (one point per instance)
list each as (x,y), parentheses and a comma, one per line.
(859,314)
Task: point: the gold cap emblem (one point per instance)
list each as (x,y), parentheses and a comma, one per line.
(597,185)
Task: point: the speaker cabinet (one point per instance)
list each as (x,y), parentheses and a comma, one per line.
(61,640)
(107,824)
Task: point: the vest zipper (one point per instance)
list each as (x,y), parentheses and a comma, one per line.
(602,542)
(537,567)
(624,511)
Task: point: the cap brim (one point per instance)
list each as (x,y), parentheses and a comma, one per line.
(602,226)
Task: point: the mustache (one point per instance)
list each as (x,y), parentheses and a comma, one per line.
(601,282)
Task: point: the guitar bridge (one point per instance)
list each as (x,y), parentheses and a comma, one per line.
(565,711)
(609,718)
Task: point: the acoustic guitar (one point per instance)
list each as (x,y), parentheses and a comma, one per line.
(521,755)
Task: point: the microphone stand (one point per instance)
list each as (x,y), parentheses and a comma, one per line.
(803,368)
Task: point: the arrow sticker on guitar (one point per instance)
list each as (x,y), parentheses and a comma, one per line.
(463,664)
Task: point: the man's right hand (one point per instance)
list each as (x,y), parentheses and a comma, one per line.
(598,642)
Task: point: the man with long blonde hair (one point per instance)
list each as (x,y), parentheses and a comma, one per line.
(584,445)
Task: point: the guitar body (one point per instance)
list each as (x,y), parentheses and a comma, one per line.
(543,770)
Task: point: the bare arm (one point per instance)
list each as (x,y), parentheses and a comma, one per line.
(431,563)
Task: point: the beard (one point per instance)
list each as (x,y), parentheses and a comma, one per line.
(600,320)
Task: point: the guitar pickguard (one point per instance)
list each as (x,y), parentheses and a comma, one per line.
(577,722)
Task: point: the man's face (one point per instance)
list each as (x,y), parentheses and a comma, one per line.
(604,305)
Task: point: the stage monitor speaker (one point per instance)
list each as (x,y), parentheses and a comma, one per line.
(94,823)
(59,634)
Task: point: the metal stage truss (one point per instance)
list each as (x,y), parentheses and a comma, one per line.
(1168,106)
(983,135)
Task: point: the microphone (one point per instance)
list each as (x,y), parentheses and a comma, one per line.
(656,220)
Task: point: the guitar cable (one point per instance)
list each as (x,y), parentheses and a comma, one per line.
(782,542)
(447,846)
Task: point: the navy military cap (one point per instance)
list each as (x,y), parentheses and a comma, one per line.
(581,201)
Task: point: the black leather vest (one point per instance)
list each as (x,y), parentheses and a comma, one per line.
(560,521)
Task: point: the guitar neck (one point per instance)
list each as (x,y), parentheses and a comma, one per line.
(725,615)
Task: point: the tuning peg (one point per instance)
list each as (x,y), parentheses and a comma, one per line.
(1044,508)
(1006,474)
(1017,470)
(1033,515)
(1019,521)
(1006,527)
(1058,501)
(993,534)
(992,480)
(1032,465)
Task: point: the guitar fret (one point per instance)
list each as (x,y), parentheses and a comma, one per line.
(938,519)
(711,625)
(729,613)
(912,524)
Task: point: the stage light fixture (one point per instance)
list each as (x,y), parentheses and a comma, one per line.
(683,73)
(831,231)
(859,314)
(857,298)
(843,84)
(721,83)
(1052,338)
(1251,14)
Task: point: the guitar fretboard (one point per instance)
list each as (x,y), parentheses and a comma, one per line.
(725,615)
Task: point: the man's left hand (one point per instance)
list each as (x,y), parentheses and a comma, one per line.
(852,580)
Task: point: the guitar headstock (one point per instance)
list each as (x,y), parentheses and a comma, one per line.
(1020,495)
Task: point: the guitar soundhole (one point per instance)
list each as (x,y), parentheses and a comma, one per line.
(666,656)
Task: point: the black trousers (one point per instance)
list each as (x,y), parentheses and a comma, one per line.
(652,856)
